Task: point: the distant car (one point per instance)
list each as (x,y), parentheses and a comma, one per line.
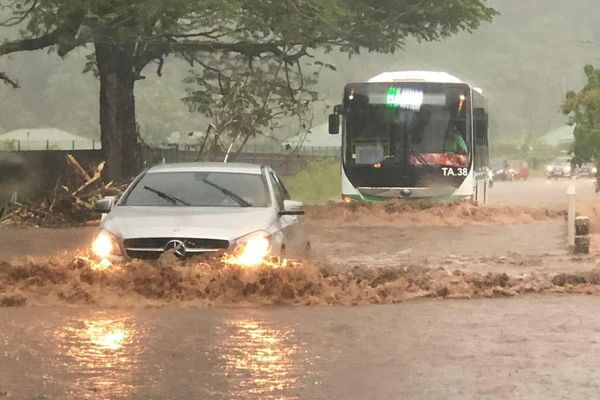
(499,169)
(199,208)
(518,169)
(587,170)
(560,168)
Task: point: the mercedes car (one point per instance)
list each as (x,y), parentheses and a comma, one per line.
(202,208)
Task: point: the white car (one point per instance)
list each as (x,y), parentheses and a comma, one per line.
(199,208)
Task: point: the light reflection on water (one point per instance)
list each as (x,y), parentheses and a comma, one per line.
(260,360)
(101,353)
(106,355)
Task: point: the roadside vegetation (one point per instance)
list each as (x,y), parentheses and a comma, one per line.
(582,109)
(318,183)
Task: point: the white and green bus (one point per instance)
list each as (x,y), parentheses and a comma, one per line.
(413,134)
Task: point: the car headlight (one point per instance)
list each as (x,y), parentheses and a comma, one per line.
(105,245)
(594,170)
(567,169)
(252,249)
(549,168)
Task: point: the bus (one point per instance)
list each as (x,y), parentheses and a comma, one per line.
(413,134)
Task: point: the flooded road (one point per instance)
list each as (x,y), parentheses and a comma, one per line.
(529,347)
(143,340)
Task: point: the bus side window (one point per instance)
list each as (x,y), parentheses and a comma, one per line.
(480,118)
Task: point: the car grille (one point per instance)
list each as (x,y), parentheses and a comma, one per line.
(152,248)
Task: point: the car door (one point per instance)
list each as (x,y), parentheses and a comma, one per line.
(294,237)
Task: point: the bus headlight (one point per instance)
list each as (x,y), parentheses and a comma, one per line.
(105,245)
(549,168)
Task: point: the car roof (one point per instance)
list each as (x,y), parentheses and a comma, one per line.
(239,168)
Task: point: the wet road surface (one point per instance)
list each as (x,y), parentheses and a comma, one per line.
(533,347)
(541,192)
(528,347)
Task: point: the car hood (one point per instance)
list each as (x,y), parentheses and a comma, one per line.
(187,222)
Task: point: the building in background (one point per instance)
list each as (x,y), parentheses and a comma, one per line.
(41,139)
(562,137)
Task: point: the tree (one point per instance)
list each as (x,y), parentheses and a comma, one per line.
(246,97)
(583,110)
(129,35)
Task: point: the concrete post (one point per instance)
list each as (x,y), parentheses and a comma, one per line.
(571,192)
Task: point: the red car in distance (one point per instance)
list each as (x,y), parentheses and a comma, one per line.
(518,169)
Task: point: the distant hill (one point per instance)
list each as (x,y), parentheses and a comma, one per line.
(525,61)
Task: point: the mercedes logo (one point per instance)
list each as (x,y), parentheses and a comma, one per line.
(178,246)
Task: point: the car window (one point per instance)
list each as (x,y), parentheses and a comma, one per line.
(277,190)
(280,191)
(281,186)
(561,160)
(200,189)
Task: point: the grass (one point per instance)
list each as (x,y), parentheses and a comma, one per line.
(318,183)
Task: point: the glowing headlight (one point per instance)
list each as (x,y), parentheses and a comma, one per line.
(567,169)
(106,244)
(252,249)
(549,168)
(594,170)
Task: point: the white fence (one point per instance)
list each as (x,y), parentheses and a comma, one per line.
(46,145)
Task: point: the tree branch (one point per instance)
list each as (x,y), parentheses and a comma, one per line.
(38,43)
(16,20)
(248,49)
(4,78)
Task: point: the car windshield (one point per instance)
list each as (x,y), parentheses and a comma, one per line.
(200,189)
(559,161)
(517,164)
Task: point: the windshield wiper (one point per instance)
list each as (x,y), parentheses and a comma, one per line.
(228,193)
(170,198)
(420,158)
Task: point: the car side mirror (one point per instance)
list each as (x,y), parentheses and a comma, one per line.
(334,124)
(292,207)
(104,205)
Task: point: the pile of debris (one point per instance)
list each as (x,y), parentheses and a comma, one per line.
(68,204)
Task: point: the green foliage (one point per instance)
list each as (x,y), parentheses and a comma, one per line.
(152,29)
(319,183)
(8,145)
(249,53)
(245,97)
(583,109)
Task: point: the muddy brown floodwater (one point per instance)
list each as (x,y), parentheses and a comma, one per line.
(529,347)
(200,330)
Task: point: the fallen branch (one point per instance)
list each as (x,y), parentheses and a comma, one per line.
(65,205)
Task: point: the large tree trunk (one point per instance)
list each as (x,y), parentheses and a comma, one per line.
(117,110)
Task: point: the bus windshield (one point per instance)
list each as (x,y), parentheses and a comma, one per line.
(407,122)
